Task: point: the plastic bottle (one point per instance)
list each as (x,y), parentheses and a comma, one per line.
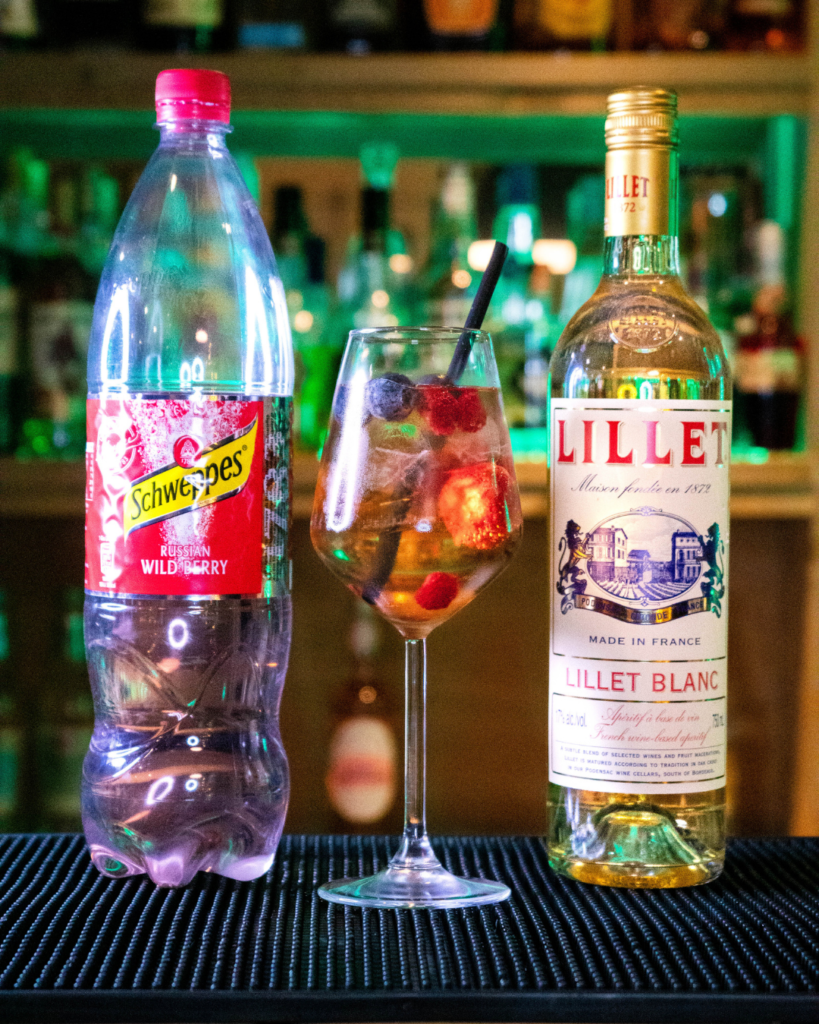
(188,612)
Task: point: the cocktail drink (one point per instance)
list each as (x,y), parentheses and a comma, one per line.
(416,510)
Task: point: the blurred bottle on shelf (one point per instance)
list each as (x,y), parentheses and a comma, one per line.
(9,329)
(276,25)
(99,213)
(20,25)
(773,25)
(513,310)
(59,309)
(563,24)
(554,259)
(289,234)
(11,735)
(66,721)
(362,774)
(91,23)
(461,24)
(716,268)
(449,283)
(718,212)
(186,26)
(300,257)
(361,26)
(376,284)
(585,202)
(680,25)
(769,365)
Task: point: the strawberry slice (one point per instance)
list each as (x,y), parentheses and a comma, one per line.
(472,504)
(437,591)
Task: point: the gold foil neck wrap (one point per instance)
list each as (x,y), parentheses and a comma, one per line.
(638,198)
(641,117)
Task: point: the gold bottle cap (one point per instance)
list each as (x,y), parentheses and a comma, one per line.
(641,117)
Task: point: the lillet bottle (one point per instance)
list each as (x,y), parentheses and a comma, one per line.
(187,608)
(640,425)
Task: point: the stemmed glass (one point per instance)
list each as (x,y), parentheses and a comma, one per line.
(416,510)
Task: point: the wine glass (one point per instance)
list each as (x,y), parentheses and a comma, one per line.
(416,510)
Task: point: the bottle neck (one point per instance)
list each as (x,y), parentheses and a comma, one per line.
(186,131)
(375,219)
(642,189)
(627,255)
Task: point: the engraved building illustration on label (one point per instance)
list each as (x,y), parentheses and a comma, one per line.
(643,557)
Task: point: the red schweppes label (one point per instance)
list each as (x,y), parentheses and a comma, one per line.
(175,498)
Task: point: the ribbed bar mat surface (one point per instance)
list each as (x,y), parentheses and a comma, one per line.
(75,946)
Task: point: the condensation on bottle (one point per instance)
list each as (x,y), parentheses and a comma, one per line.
(187,608)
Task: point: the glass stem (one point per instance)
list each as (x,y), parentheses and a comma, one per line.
(415,851)
(415,739)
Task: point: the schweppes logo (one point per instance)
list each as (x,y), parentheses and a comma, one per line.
(218,473)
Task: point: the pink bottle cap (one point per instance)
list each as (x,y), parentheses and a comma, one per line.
(192,93)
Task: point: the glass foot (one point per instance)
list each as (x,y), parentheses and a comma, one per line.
(414,878)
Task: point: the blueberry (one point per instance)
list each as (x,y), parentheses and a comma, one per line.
(389,397)
(340,402)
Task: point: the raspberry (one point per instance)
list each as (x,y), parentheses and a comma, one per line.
(437,591)
(439,408)
(471,413)
(472,504)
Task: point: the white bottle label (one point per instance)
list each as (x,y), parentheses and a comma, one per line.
(639,553)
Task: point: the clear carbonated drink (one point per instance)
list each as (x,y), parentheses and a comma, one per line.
(187,609)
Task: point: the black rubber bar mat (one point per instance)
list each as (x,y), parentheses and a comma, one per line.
(77,947)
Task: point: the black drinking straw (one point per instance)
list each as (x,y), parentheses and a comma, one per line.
(387,547)
(477,311)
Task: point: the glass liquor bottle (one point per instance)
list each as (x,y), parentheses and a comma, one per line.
(449,284)
(11,735)
(562,24)
(300,257)
(769,361)
(460,24)
(91,23)
(276,25)
(512,311)
(362,775)
(640,443)
(100,211)
(20,25)
(60,307)
(680,25)
(374,287)
(774,25)
(186,26)
(361,26)
(9,333)
(67,719)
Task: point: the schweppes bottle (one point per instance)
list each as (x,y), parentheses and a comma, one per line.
(187,609)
